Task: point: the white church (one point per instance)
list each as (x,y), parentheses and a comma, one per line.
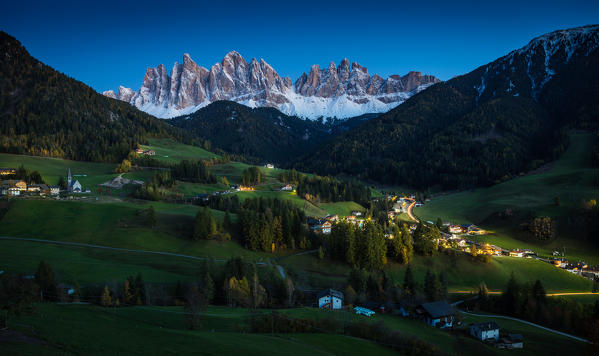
(73,187)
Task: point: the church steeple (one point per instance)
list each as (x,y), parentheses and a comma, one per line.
(69,180)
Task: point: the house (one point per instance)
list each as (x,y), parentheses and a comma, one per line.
(7,171)
(517,253)
(34,188)
(203,197)
(455,229)
(235,188)
(356,213)
(139,151)
(14,191)
(330,299)
(4,189)
(287,187)
(485,331)
(326,227)
(513,341)
(14,183)
(332,218)
(54,190)
(270,166)
(439,314)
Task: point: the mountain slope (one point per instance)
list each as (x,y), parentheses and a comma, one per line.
(44,112)
(259,134)
(502,119)
(342,92)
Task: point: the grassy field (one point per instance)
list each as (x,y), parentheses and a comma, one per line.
(463,273)
(570,179)
(170,151)
(76,329)
(53,168)
(343,208)
(117,224)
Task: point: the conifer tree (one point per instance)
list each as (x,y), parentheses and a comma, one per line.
(106,299)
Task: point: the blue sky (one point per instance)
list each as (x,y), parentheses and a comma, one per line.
(110,43)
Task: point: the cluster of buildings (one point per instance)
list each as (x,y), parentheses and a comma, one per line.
(465,229)
(18,187)
(141,151)
(439,314)
(579,268)
(15,187)
(324,225)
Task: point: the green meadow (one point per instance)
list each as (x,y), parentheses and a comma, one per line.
(171,151)
(66,329)
(571,179)
(464,273)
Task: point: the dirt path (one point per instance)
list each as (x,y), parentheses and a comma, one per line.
(78,244)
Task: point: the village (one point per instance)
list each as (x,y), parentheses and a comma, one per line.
(19,187)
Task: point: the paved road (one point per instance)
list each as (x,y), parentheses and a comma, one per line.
(531,324)
(410,207)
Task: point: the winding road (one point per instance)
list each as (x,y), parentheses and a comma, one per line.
(410,208)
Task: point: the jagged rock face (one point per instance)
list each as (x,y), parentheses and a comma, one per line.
(257,84)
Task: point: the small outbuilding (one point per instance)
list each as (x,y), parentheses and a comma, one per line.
(330,299)
(485,331)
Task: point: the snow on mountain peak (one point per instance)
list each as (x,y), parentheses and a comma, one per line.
(334,91)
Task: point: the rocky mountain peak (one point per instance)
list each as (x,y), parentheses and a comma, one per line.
(190,86)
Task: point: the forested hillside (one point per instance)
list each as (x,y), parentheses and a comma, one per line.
(45,113)
(500,120)
(261,134)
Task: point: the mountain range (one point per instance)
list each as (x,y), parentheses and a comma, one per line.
(335,91)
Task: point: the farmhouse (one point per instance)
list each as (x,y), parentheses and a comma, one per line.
(455,229)
(7,171)
(517,253)
(18,184)
(287,187)
(270,166)
(485,331)
(326,227)
(330,299)
(513,341)
(54,190)
(439,314)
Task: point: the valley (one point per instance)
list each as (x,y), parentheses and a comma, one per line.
(231,210)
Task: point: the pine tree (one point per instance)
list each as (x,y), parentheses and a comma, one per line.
(429,286)
(511,296)
(208,288)
(227,221)
(409,285)
(106,299)
(538,292)
(151,217)
(140,290)
(46,279)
